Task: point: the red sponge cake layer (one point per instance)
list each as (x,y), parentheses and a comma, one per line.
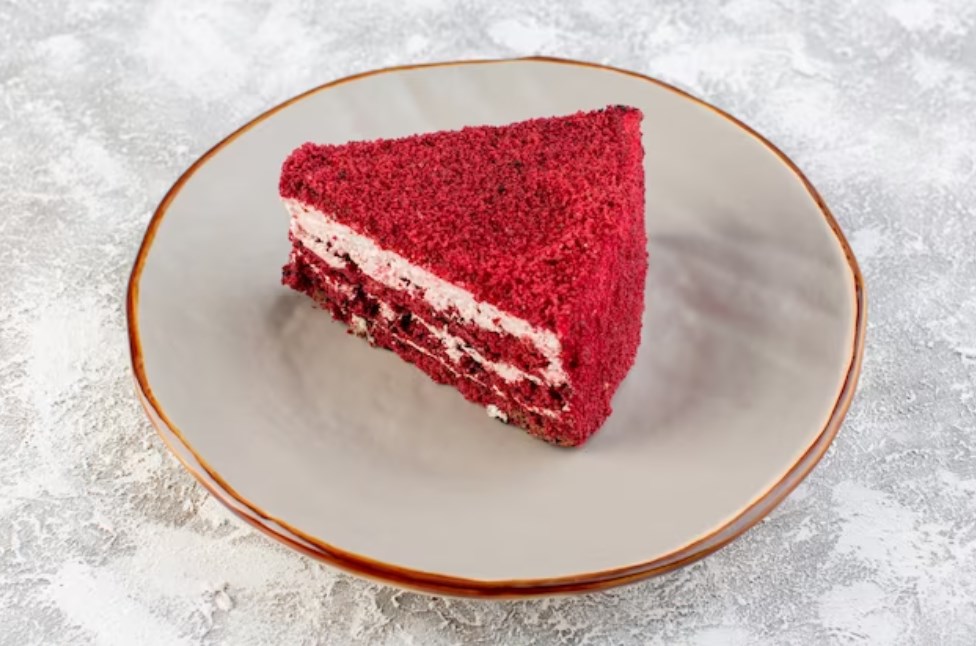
(507,261)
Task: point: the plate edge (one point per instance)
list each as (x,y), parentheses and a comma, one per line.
(436,583)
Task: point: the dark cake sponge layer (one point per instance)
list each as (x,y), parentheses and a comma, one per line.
(361,295)
(308,274)
(496,346)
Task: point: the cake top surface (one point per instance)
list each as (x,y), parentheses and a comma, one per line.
(516,214)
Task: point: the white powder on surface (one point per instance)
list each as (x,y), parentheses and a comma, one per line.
(118,619)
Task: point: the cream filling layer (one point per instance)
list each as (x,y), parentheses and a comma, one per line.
(342,288)
(360,327)
(313,228)
(493,411)
(454,347)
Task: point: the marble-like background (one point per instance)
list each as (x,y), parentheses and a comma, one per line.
(105,539)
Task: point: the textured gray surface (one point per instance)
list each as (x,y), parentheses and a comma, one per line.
(105,539)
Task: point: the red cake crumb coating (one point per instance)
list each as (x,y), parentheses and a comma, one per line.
(543,219)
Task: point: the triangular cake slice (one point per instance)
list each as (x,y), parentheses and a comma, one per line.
(508,262)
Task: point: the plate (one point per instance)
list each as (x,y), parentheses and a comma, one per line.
(752,341)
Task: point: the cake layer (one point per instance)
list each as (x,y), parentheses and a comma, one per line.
(512,392)
(480,324)
(512,257)
(424,325)
(516,215)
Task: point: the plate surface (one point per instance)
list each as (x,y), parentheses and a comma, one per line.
(751,347)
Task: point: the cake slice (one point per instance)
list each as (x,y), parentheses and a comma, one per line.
(508,262)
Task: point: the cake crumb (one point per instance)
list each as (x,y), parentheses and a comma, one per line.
(497,413)
(358,325)
(386,311)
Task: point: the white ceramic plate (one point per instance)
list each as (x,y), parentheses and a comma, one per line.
(751,348)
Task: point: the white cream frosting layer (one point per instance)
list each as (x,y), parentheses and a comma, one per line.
(342,288)
(493,411)
(454,347)
(313,228)
(360,327)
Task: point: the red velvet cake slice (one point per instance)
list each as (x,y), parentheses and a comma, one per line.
(506,261)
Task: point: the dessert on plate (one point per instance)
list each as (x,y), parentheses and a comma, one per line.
(506,261)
